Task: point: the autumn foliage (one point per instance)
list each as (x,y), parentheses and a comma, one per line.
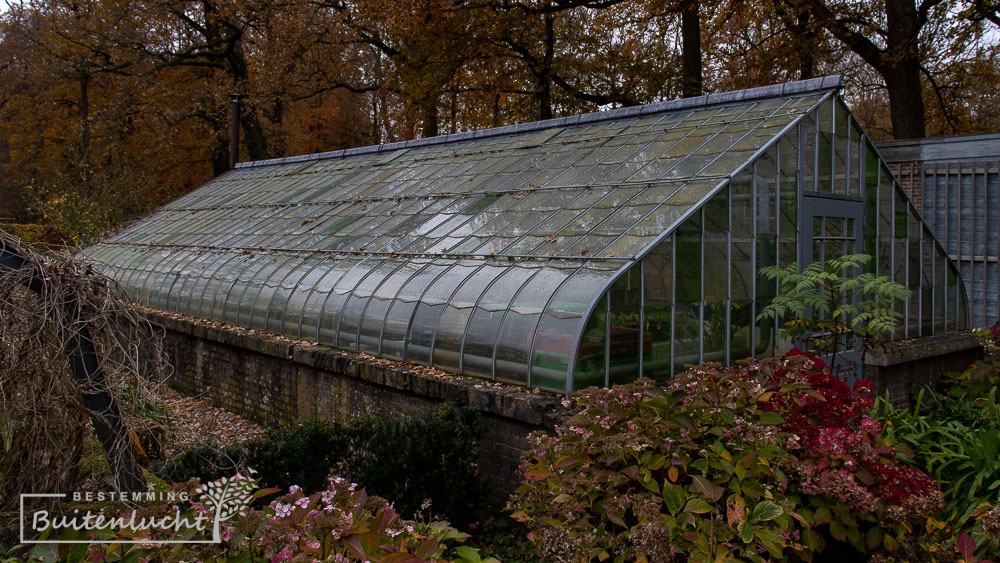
(776,460)
(111,108)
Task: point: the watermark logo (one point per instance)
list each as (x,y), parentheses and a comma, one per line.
(183,520)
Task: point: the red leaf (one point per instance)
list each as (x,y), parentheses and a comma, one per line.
(965,545)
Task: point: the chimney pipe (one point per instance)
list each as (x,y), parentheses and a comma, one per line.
(234,131)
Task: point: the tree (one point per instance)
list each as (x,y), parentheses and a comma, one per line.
(889,40)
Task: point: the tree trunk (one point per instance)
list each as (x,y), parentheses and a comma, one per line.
(429,114)
(85,129)
(253,134)
(901,70)
(545,76)
(807,56)
(691,49)
(906,102)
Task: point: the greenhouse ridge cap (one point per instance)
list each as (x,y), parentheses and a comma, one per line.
(800,88)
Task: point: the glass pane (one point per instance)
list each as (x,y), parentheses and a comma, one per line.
(914,274)
(451,329)
(484,326)
(808,154)
(397,320)
(592,354)
(741,271)
(824,152)
(716,278)
(885,224)
(332,310)
(301,316)
(856,164)
(220,281)
(304,275)
(687,319)
(658,285)
(841,151)
(626,299)
(262,302)
(517,332)
(788,199)
(370,330)
(765,189)
(555,343)
(228,303)
(939,290)
(927,285)
(427,316)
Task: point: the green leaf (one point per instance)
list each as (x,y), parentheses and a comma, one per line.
(746,531)
(812,539)
(874,538)
(616,517)
(468,553)
(706,487)
(764,511)
(770,418)
(837,530)
(674,497)
(822,516)
(698,506)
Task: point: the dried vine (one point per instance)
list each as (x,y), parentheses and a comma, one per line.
(43,418)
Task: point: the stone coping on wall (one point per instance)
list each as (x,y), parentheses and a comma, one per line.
(534,407)
(895,353)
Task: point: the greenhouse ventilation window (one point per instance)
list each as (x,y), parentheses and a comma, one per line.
(559,254)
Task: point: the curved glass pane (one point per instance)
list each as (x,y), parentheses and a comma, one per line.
(427,316)
(312,299)
(187,291)
(333,305)
(383,329)
(228,304)
(371,325)
(455,317)
(554,344)
(164,275)
(302,280)
(513,344)
(259,303)
(481,332)
(357,300)
(215,279)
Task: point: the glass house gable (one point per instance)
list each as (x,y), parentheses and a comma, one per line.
(818,190)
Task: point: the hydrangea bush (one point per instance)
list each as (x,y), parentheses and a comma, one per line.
(758,461)
(340,524)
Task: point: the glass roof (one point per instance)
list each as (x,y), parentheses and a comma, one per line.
(436,251)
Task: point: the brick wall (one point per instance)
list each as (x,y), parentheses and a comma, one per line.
(911,179)
(273,382)
(898,368)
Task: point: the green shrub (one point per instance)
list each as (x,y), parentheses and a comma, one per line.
(429,457)
(955,437)
(829,309)
(433,457)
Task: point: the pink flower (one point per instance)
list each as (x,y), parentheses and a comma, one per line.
(282,556)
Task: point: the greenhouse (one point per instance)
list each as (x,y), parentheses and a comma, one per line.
(559,254)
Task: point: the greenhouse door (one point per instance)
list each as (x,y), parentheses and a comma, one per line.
(832,227)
